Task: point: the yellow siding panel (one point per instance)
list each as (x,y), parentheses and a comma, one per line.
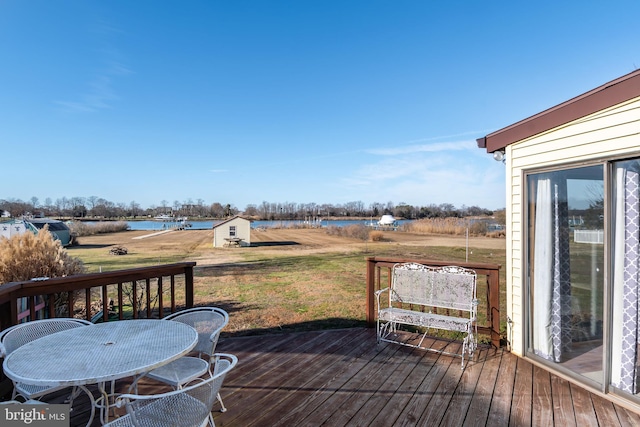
(606,134)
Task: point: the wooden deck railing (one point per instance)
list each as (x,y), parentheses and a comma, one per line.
(379,277)
(137,292)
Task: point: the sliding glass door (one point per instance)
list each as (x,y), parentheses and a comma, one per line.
(566,266)
(569,305)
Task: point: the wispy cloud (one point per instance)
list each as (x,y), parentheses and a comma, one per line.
(421,148)
(422,174)
(100,92)
(98,96)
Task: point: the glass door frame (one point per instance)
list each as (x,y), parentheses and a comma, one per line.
(527,270)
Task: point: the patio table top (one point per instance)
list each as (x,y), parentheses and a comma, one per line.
(100,353)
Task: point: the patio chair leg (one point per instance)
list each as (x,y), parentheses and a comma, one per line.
(223,408)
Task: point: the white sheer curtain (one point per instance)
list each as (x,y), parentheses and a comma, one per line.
(551,270)
(543,257)
(624,337)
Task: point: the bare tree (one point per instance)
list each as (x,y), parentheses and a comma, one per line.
(135,208)
(34,202)
(91,201)
(217,210)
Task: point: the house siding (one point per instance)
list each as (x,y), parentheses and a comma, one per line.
(610,133)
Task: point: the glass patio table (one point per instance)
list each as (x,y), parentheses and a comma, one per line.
(100,354)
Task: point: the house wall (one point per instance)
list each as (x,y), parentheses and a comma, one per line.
(243,231)
(613,132)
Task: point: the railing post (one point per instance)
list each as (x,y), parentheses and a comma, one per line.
(371,274)
(493,289)
(188,278)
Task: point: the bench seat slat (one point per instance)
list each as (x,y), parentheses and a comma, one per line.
(427,320)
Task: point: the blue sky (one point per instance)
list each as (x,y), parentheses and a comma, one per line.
(306,101)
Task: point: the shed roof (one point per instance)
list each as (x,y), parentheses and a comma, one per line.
(228,220)
(609,94)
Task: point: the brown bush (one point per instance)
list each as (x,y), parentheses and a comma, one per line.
(376,236)
(27,256)
(355,231)
(451,226)
(79,229)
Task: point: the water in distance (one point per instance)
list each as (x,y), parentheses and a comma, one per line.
(206,225)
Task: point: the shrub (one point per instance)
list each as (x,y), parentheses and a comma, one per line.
(79,229)
(355,231)
(376,236)
(27,256)
(451,226)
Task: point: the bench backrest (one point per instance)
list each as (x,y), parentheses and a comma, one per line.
(446,287)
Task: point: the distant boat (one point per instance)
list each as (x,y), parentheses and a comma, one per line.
(163,217)
(387,220)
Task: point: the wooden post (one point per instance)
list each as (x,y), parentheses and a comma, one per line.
(371,273)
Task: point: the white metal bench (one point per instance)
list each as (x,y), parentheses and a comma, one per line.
(417,291)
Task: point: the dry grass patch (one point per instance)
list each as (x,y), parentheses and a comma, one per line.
(285,293)
(447,226)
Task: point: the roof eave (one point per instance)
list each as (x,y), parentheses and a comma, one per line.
(614,92)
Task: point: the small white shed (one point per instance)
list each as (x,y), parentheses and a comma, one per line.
(235,231)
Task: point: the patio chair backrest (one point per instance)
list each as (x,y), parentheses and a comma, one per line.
(16,336)
(208,321)
(448,287)
(185,407)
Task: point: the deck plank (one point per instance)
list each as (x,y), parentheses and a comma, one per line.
(339,384)
(392,410)
(542,404)
(478,410)
(522,395)
(361,381)
(460,401)
(626,417)
(605,411)
(267,371)
(583,407)
(563,412)
(439,403)
(502,394)
(374,382)
(287,377)
(309,392)
(428,388)
(344,378)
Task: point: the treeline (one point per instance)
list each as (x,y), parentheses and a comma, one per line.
(96,207)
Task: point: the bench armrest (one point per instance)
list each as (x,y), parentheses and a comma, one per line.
(379,291)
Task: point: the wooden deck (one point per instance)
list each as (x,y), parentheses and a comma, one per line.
(343,378)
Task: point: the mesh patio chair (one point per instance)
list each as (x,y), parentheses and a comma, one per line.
(18,335)
(189,406)
(208,321)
